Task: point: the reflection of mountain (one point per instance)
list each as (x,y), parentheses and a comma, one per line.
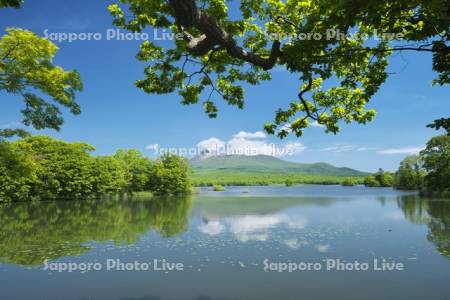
(434,213)
(31,233)
(221,207)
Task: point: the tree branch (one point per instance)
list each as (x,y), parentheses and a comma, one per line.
(305,104)
(187,15)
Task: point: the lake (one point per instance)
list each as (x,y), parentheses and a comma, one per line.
(301,242)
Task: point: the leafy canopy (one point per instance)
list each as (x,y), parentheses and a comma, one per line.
(411,174)
(10,3)
(26,69)
(380,179)
(171,175)
(140,168)
(224,45)
(436,157)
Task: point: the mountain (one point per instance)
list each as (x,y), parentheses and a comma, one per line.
(267,164)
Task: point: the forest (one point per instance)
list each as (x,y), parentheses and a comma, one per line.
(43,168)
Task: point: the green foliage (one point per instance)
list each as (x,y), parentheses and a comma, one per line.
(288,182)
(370,181)
(436,161)
(64,169)
(380,179)
(170,176)
(26,69)
(218,188)
(242,178)
(17,171)
(42,168)
(139,166)
(348,182)
(217,53)
(110,176)
(10,3)
(443,123)
(410,175)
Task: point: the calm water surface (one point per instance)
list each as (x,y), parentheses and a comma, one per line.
(225,240)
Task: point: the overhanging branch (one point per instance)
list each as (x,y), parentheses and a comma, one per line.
(188,15)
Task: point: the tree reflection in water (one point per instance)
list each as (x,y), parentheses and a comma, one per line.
(435,213)
(33,232)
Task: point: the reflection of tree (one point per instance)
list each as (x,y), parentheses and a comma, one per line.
(439,226)
(31,233)
(434,213)
(414,208)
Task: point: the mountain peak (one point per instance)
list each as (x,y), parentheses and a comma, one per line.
(266,164)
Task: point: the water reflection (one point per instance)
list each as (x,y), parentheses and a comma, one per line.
(251,227)
(31,233)
(435,213)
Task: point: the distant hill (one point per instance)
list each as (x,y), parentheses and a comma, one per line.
(267,164)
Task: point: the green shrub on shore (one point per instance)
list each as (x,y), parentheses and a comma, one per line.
(380,179)
(170,176)
(218,188)
(411,174)
(436,158)
(348,182)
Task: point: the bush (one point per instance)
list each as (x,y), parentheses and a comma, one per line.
(218,188)
(348,182)
(436,158)
(110,176)
(138,166)
(64,170)
(380,179)
(370,181)
(171,176)
(410,175)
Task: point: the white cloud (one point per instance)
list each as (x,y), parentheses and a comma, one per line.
(212,228)
(250,135)
(294,147)
(286,128)
(339,148)
(250,143)
(212,144)
(256,228)
(402,150)
(292,243)
(242,146)
(322,248)
(152,147)
(317,125)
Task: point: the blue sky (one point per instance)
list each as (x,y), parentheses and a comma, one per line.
(115,114)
